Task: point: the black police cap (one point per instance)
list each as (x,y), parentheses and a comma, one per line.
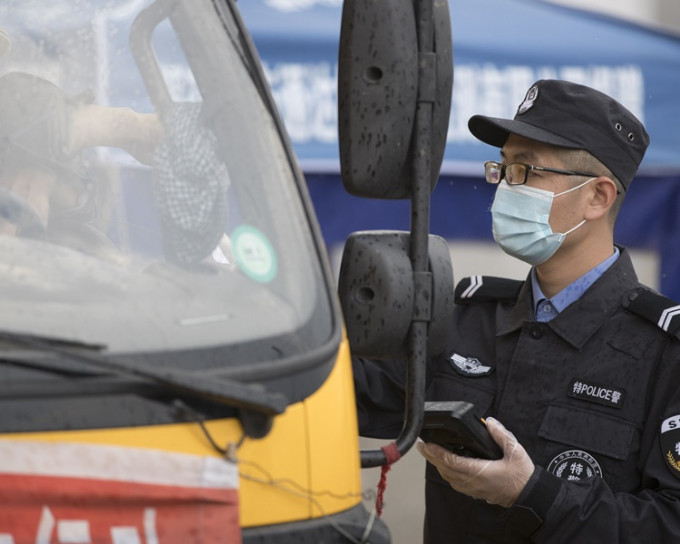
(574,116)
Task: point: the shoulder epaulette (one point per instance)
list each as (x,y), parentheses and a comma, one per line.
(486,288)
(656,308)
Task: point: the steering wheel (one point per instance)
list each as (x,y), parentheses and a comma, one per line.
(17,211)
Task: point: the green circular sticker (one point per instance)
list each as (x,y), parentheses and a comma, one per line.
(253,253)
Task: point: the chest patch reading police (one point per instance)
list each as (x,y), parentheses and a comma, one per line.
(596,392)
(575,465)
(670,443)
(469,366)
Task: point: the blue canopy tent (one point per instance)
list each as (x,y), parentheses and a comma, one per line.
(500,47)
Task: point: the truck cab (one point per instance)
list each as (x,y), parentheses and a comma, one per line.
(173,362)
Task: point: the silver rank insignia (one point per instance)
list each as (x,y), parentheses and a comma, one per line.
(670,443)
(469,366)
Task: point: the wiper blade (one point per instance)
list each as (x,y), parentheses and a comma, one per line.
(221,391)
(104,384)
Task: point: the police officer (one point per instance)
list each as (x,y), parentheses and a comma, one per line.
(580,362)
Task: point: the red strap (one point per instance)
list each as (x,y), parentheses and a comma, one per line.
(392,455)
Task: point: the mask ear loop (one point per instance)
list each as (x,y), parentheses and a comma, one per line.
(573,188)
(572,229)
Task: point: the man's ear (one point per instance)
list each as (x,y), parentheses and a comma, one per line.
(603,196)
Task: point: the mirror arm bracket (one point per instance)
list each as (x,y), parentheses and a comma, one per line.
(420,227)
(427,77)
(422,289)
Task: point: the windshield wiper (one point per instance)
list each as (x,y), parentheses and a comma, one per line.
(225,392)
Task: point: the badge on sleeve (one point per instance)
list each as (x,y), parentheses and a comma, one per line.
(574,465)
(670,443)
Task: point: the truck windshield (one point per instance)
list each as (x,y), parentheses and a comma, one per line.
(147,200)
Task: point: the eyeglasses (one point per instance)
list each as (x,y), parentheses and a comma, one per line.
(517,173)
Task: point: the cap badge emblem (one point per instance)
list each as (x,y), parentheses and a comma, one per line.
(529,100)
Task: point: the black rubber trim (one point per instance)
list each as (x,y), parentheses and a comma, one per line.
(353,522)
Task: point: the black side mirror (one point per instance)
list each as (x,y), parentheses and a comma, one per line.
(379,293)
(394,99)
(380,79)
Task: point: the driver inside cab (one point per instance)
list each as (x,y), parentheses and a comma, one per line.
(46,194)
(44,190)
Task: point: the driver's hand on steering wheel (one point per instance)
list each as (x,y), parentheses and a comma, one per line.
(25,200)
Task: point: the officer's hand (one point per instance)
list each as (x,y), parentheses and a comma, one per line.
(496,482)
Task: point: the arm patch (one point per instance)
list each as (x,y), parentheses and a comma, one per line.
(486,288)
(656,308)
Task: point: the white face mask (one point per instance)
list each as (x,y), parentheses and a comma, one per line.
(520,222)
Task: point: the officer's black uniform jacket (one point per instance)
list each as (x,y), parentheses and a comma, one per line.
(586,393)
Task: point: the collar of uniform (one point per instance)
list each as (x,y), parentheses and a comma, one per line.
(581,319)
(509,318)
(571,293)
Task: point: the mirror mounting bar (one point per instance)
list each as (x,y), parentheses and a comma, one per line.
(420,227)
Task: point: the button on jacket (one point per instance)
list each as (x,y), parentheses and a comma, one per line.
(593,396)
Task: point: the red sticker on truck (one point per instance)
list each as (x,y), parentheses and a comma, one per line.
(58,493)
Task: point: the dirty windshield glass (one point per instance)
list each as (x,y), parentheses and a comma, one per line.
(147,203)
